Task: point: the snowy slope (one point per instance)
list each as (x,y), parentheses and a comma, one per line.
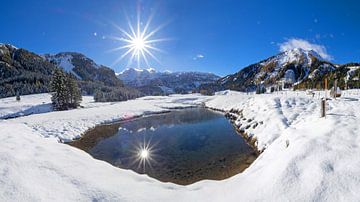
(36,104)
(64,61)
(307,158)
(351,74)
(84,68)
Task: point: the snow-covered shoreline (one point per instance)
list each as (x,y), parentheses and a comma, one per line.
(68,125)
(305,157)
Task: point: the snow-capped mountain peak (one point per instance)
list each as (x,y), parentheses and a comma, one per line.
(154,82)
(296,56)
(289,67)
(151,70)
(135,74)
(8,45)
(125,71)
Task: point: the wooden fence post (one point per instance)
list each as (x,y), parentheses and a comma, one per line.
(323,107)
(323,101)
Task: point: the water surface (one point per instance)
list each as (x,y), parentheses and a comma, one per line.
(184,146)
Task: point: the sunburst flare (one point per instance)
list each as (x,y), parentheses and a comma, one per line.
(144,154)
(139,43)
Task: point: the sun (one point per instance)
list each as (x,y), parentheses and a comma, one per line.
(144,153)
(138,42)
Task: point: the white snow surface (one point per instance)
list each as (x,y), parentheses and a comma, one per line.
(320,163)
(65,62)
(35,104)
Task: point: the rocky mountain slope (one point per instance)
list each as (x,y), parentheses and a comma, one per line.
(27,73)
(296,68)
(23,71)
(91,76)
(84,68)
(149,81)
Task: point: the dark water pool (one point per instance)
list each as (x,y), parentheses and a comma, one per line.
(183,146)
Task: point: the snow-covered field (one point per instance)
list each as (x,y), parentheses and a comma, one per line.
(305,157)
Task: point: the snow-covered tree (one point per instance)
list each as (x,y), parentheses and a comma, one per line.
(99,96)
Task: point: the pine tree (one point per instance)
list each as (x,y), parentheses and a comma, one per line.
(65,91)
(73,92)
(59,90)
(98,96)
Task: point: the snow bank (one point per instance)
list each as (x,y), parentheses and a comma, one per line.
(68,125)
(33,168)
(307,158)
(266,116)
(29,104)
(35,104)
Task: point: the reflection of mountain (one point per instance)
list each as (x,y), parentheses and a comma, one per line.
(183,116)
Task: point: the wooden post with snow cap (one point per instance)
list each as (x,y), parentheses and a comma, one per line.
(325,86)
(323,102)
(335,87)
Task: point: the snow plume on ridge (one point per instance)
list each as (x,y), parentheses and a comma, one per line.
(293,43)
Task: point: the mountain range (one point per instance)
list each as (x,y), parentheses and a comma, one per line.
(26,72)
(151,82)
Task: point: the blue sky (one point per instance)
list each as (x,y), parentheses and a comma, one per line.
(220,36)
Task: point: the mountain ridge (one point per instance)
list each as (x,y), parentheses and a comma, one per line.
(153,82)
(25,72)
(297,68)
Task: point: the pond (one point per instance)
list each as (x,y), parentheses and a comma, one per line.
(182,146)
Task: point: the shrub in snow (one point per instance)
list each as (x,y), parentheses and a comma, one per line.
(17,96)
(260,89)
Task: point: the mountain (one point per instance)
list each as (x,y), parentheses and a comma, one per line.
(296,68)
(137,77)
(151,82)
(93,77)
(84,68)
(23,71)
(27,73)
